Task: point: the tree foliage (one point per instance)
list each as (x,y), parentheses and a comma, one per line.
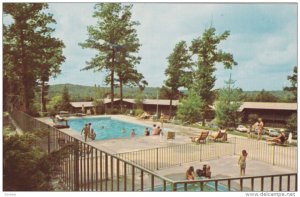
(65,105)
(25,166)
(139,99)
(252,118)
(29,50)
(227,106)
(292,123)
(115,39)
(178,72)
(54,104)
(205,48)
(264,96)
(294,82)
(98,100)
(189,109)
(21,165)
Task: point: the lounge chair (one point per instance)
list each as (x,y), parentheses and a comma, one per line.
(221,136)
(281,139)
(165,118)
(201,138)
(171,135)
(144,116)
(278,142)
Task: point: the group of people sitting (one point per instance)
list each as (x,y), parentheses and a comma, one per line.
(204,172)
(88,131)
(156,130)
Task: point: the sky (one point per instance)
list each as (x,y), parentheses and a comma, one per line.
(263,40)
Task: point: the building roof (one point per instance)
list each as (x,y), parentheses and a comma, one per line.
(154,101)
(268,105)
(245,105)
(146,102)
(80,104)
(89,103)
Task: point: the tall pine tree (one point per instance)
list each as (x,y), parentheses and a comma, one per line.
(227,105)
(178,72)
(27,42)
(115,39)
(208,54)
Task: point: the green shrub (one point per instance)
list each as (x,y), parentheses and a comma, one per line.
(189,109)
(112,111)
(138,112)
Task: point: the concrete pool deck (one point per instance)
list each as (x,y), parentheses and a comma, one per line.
(226,167)
(139,142)
(183,134)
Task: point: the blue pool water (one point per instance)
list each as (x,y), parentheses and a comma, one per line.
(209,186)
(107,128)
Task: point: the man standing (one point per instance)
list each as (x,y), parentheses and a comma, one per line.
(85,131)
(260,128)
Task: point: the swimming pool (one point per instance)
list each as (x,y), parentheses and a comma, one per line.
(208,186)
(107,127)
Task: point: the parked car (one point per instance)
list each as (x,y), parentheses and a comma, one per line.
(212,126)
(273,132)
(242,128)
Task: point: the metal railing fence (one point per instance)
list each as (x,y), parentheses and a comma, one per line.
(87,168)
(273,154)
(266,183)
(173,155)
(169,156)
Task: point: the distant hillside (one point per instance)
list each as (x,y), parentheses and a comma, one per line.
(281,95)
(77,92)
(84,93)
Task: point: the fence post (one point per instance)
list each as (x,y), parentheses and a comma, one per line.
(234,148)
(200,152)
(49,141)
(156,158)
(273,156)
(76,165)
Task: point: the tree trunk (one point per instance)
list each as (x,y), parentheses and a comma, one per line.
(112,81)
(43,97)
(204,116)
(121,94)
(24,89)
(170,109)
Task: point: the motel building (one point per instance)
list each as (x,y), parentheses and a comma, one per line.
(273,114)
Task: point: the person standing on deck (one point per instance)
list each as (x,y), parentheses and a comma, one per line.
(242,162)
(86,131)
(260,129)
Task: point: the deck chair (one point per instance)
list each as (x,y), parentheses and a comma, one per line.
(171,135)
(201,138)
(222,136)
(284,143)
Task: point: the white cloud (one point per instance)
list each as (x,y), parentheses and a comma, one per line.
(264,45)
